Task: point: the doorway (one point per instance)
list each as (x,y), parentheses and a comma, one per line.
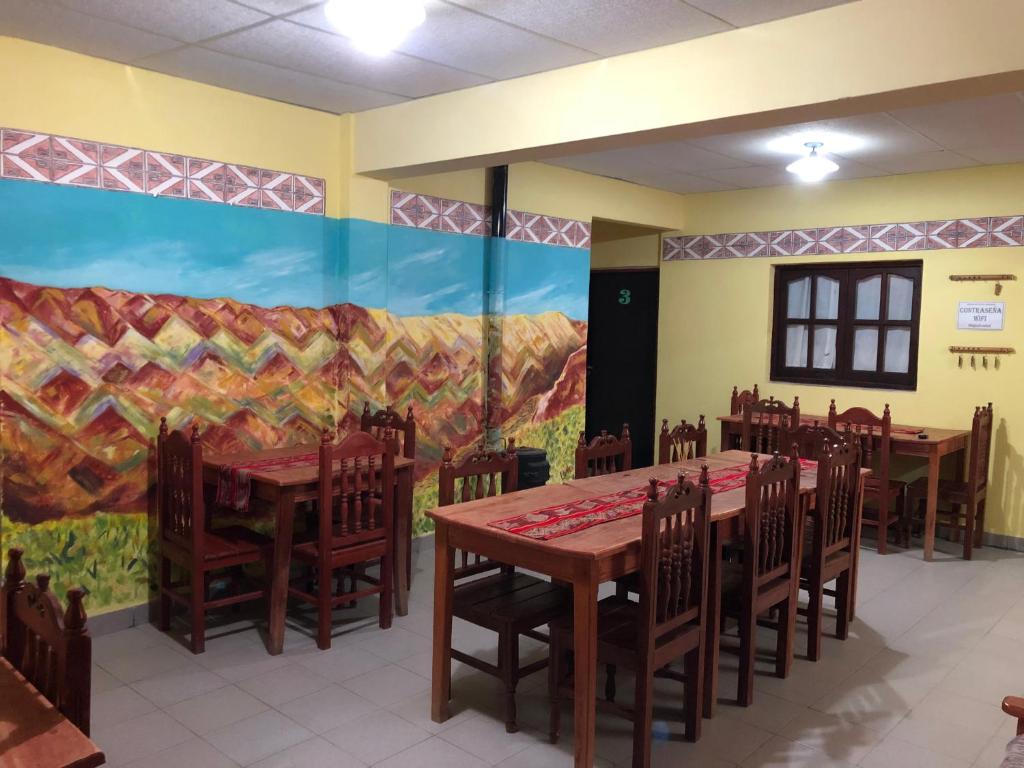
(622,356)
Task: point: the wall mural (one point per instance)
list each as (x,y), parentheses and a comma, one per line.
(266,326)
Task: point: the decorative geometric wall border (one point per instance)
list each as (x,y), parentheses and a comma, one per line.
(428,212)
(977,232)
(31,156)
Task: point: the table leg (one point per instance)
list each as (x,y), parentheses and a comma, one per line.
(282,567)
(712,627)
(403,540)
(441,669)
(855,569)
(585,671)
(931,505)
(726,442)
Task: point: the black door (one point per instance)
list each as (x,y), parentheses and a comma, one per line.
(622,355)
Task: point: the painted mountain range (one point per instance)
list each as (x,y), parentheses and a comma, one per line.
(88,372)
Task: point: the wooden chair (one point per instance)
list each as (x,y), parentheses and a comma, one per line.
(683,441)
(768,579)
(1014,706)
(873,436)
(404,430)
(666,625)
(810,440)
(966,498)
(739,399)
(764,421)
(830,540)
(51,647)
(187,541)
(508,603)
(355,526)
(604,454)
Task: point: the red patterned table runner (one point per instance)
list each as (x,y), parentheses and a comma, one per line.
(570,517)
(234,485)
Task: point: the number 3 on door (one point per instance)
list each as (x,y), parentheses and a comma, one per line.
(625,296)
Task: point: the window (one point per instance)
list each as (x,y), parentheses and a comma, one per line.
(847,324)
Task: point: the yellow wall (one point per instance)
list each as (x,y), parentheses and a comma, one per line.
(55,91)
(725,338)
(643,251)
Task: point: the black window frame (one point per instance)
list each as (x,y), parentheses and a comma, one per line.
(848,274)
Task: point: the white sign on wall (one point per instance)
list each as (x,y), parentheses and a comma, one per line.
(980,316)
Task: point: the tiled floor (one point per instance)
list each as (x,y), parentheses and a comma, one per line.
(919,682)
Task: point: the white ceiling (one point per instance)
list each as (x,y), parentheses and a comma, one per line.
(984,131)
(285,50)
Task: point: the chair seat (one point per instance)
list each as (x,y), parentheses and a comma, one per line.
(234,541)
(616,622)
(516,601)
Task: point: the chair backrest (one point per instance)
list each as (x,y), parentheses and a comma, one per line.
(981,447)
(476,477)
(404,430)
(674,558)
(180,508)
(739,399)
(836,499)
(873,435)
(683,441)
(357,485)
(51,647)
(810,440)
(604,454)
(764,421)
(772,522)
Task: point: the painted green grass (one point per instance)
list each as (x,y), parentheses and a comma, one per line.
(105,554)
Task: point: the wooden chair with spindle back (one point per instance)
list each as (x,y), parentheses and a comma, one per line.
(873,434)
(683,441)
(965,497)
(765,421)
(739,399)
(769,576)
(50,646)
(186,540)
(604,454)
(810,440)
(355,528)
(667,624)
(403,430)
(830,541)
(506,602)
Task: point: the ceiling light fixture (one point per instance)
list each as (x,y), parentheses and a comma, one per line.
(812,167)
(375,26)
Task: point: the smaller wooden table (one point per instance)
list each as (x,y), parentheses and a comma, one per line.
(905,442)
(33,734)
(284,488)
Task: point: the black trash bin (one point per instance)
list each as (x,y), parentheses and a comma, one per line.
(534,469)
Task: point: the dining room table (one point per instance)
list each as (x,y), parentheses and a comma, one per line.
(34,733)
(930,443)
(584,550)
(283,478)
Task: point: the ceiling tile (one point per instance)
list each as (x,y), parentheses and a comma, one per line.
(751,176)
(685,158)
(920,162)
(265,80)
(302,48)
(994,155)
(743,13)
(190,20)
(45,22)
(469,41)
(994,121)
(606,27)
(278,7)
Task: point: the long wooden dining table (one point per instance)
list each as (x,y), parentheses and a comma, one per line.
(584,559)
(34,734)
(931,443)
(282,489)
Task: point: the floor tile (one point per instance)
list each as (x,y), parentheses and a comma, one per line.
(781,752)
(327,708)
(216,709)
(258,737)
(395,644)
(486,737)
(194,753)
(341,664)
(283,684)
(170,688)
(140,737)
(137,664)
(416,710)
(895,753)
(315,753)
(387,685)
(117,705)
(376,736)
(433,753)
(838,739)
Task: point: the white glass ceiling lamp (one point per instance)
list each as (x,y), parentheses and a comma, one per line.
(375,26)
(812,167)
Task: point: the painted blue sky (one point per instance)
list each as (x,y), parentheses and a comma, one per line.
(71,237)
